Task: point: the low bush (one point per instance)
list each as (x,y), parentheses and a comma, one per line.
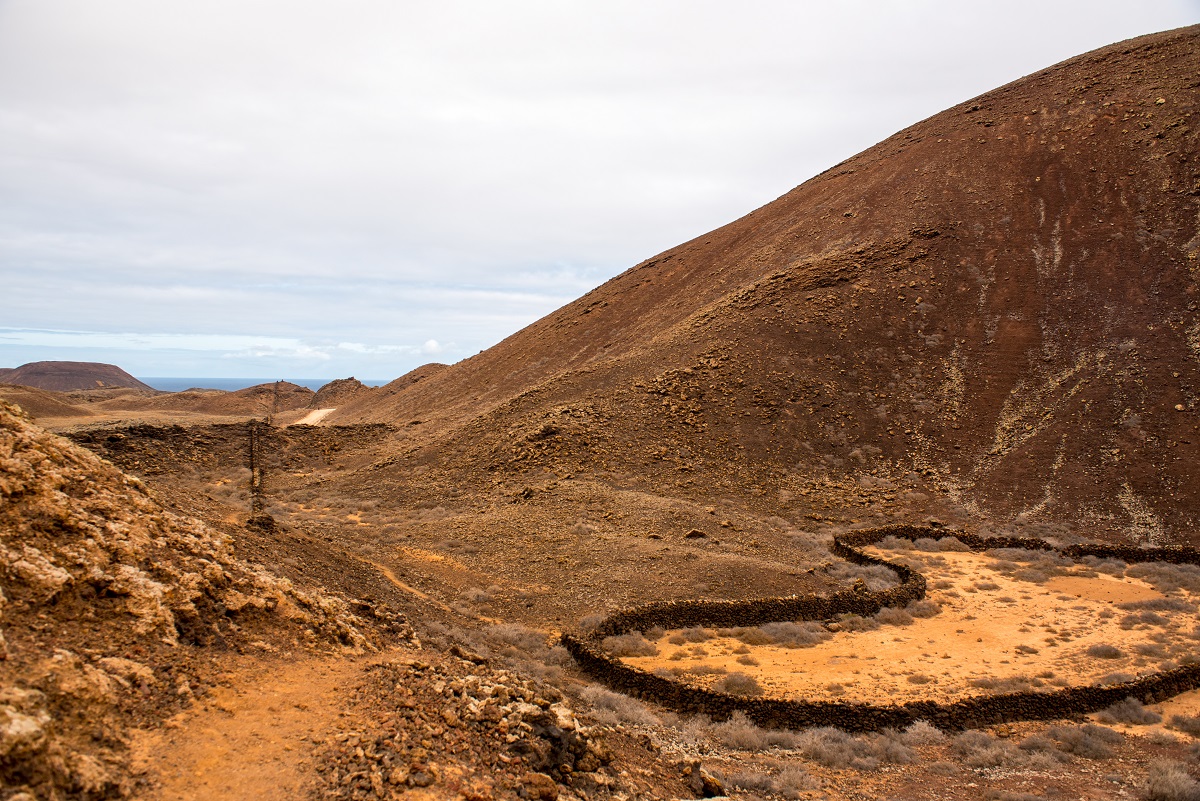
(1102,651)
(613,708)
(1130,711)
(694,634)
(922,733)
(631,644)
(853,622)
(893,616)
(979,749)
(952,544)
(834,748)
(1089,740)
(738,683)
(1188,724)
(1169,781)
(740,733)
(794,635)
(789,783)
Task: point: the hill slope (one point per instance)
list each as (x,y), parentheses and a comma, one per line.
(68,376)
(1001,298)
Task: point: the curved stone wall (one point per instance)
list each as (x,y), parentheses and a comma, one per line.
(968,713)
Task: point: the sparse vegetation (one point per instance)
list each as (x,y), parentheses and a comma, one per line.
(1130,711)
(738,683)
(1170,781)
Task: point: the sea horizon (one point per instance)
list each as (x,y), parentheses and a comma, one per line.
(181,383)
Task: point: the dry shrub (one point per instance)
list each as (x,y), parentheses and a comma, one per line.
(521,638)
(631,644)
(746,659)
(952,544)
(1089,740)
(1008,684)
(876,577)
(1102,651)
(790,783)
(1112,567)
(852,622)
(1160,605)
(693,634)
(1005,795)
(1130,711)
(1188,724)
(893,616)
(924,608)
(1169,781)
(740,733)
(834,748)
(738,683)
(1143,618)
(613,708)
(979,749)
(476,595)
(1115,678)
(1167,578)
(705,670)
(922,733)
(986,586)
(894,543)
(796,635)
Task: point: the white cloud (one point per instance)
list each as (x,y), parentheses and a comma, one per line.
(384,173)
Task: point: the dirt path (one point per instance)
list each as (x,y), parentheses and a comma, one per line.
(313,417)
(253,737)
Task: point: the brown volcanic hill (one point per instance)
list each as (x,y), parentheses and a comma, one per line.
(68,376)
(338,392)
(4,371)
(40,403)
(1000,299)
(258,400)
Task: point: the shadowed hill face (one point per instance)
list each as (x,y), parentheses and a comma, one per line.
(68,376)
(1002,298)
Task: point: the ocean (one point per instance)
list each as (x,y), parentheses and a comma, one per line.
(175,384)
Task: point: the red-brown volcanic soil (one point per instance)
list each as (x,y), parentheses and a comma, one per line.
(1001,298)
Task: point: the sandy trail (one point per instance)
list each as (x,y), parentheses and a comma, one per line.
(314,417)
(993,630)
(251,739)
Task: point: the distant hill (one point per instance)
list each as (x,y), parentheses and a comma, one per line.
(1000,300)
(338,392)
(69,376)
(4,373)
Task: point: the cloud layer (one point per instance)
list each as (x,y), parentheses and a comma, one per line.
(336,185)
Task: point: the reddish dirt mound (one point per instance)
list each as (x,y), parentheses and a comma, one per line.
(260,400)
(1001,299)
(67,376)
(338,393)
(40,403)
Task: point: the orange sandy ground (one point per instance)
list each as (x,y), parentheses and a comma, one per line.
(976,636)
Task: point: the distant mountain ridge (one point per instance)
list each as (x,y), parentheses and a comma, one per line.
(71,376)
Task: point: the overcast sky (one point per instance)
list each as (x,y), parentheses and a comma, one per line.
(292,188)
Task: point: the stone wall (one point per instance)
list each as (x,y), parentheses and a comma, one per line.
(778,713)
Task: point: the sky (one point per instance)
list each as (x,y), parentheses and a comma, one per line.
(294,188)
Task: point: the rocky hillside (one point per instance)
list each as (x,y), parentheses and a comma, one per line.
(68,376)
(1000,299)
(109,605)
